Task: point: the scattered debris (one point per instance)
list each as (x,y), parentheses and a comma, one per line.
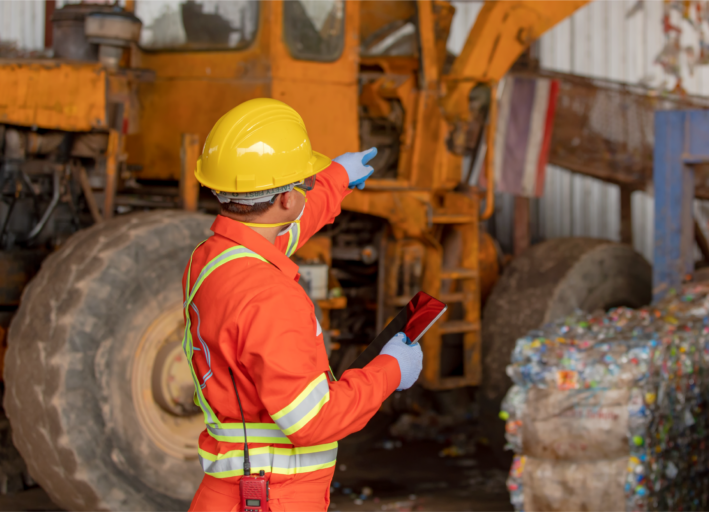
(459,432)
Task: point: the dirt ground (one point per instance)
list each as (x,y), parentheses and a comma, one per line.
(369,477)
(415,477)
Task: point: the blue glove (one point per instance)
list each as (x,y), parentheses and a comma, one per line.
(356,166)
(408,355)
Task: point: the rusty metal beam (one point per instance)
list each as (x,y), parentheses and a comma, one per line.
(502,31)
(189,186)
(49,7)
(109,200)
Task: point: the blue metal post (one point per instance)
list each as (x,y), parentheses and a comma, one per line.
(681,140)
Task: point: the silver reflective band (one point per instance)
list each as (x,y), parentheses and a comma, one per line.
(254,435)
(287,464)
(310,402)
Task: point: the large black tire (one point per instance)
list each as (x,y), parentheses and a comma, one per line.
(71,362)
(548,282)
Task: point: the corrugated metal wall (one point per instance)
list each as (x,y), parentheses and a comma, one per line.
(22,21)
(598,41)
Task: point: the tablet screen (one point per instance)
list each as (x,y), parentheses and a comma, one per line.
(422,311)
(419,315)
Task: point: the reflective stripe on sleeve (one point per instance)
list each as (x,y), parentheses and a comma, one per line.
(281,461)
(301,410)
(255,433)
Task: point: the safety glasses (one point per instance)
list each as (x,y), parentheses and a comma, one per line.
(308,184)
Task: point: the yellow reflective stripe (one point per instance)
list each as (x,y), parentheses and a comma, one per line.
(189,270)
(296,450)
(307,404)
(301,423)
(209,416)
(302,469)
(231,254)
(226,256)
(263,426)
(268,433)
(299,450)
(284,461)
(299,398)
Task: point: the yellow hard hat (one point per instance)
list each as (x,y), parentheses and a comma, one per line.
(259,145)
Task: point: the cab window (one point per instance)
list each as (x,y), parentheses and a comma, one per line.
(197,24)
(314,29)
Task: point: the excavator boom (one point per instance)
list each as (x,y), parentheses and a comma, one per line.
(502,31)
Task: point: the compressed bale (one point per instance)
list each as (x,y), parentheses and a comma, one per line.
(576,425)
(562,486)
(589,383)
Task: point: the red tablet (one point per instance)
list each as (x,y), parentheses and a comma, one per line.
(419,315)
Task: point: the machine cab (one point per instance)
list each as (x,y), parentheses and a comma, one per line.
(208,56)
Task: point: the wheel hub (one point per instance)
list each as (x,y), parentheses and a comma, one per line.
(163,388)
(173,387)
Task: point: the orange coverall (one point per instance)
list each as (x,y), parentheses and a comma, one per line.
(254,318)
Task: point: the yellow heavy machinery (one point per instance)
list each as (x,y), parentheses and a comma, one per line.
(99,146)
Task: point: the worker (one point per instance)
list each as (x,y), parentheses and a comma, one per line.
(247,316)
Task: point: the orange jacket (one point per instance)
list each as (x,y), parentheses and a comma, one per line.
(254,318)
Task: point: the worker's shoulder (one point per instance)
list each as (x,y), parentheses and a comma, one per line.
(236,258)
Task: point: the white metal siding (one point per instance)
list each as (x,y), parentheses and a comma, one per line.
(22,21)
(599,41)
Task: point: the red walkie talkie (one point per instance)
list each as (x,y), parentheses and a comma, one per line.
(253,490)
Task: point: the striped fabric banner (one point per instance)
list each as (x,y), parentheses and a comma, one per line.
(525,122)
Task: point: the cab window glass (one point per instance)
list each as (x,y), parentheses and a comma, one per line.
(314,29)
(197,24)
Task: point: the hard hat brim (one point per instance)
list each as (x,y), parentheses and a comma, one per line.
(321,163)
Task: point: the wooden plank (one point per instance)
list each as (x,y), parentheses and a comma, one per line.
(626,215)
(458,326)
(111,174)
(522,236)
(83,179)
(459,273)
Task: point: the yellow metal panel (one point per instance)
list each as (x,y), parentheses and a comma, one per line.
(342,71)
(325,94)
(170,108)
(52,94)
(406,211)
(191,91)
(329,112)
(377,14)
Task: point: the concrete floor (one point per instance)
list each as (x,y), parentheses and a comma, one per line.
(415,477)
(412,477)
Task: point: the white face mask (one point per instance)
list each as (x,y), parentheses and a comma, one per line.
(289,226)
